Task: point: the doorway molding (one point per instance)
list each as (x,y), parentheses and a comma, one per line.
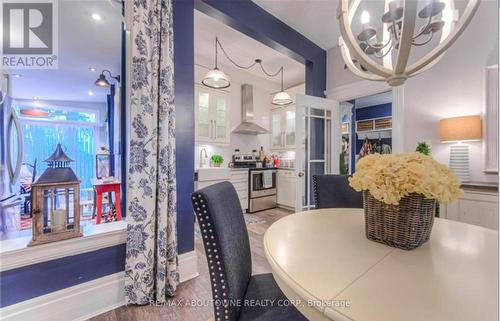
(365,88)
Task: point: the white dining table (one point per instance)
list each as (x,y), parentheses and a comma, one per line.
(325,265)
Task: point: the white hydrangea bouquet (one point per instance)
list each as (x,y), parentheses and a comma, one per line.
(400,193)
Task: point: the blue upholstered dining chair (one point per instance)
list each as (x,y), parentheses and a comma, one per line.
(227,248)
(334,191)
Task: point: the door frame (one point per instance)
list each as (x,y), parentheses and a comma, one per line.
(365,88)
(333,150)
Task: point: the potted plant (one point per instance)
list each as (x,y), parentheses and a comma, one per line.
(424,148)
(216,160)
(400,193)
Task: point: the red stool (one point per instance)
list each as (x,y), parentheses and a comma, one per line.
(101,188)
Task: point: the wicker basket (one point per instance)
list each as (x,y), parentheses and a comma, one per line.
(404,226)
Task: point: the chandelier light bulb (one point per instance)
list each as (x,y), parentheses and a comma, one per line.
(365,17)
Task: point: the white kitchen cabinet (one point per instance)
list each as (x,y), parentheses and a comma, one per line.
(475,206)
(286,188)
(239,179)
(211,115)
(283,128)
(237,176)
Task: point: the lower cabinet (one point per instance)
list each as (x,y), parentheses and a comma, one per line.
(237,177)
(286,188)
(478,207)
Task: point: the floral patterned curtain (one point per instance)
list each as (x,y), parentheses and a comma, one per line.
(151,271)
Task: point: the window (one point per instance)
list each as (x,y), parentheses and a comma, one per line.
(41,134)
(80,132)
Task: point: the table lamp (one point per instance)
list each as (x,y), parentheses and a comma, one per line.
(459,130)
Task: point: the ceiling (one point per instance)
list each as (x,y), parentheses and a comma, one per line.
(315,19)
(374,100)
(83,43)
(242,49)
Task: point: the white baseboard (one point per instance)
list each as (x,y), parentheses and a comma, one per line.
(78,302)
(86,300)
(188,266)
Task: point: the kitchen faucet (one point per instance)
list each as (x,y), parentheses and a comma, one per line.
(203,161)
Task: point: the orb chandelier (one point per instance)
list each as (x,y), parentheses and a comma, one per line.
(217,79)
(374,53)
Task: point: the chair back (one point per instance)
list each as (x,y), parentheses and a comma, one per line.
(334,191)
(227,246)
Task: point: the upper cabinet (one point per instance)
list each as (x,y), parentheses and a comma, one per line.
(283,122)
(211,115)
(283,128)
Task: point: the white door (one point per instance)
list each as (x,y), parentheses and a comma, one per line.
(317,145)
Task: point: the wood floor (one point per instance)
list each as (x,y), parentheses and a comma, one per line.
(198,289)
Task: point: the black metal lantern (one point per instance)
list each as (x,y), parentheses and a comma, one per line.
(55,199)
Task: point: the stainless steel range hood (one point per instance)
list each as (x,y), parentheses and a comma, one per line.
(247,126)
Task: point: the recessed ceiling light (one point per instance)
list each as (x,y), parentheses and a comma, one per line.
(91,93)
(96,17)
(17,75)
(92,69)
(35,98)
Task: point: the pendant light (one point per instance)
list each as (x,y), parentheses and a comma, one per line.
(282,98)
(400,33)
(216,78)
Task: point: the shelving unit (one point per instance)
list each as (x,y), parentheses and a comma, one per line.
(374,128)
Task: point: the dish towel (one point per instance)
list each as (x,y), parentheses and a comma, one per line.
(267,179)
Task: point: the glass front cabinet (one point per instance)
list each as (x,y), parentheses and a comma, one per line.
(212,115)
(283,128)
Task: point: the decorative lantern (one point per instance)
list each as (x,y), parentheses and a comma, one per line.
(55,197)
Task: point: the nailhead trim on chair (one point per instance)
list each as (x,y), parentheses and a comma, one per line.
(315,190)
(217,279)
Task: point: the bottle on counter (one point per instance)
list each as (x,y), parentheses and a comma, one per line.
(255,154)
(262,154)
(276,161)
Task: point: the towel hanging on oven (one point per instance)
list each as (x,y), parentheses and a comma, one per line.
(267,179)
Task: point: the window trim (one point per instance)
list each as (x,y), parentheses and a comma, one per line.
(100,112)
(15,253)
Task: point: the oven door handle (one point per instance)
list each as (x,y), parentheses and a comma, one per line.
(261,172)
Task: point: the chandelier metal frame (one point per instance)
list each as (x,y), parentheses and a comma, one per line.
(399,22)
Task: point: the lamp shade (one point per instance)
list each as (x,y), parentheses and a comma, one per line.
(465,128)
(216,79)
(102,81)
(282,98)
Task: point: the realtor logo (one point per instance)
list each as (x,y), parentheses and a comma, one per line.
(29,34)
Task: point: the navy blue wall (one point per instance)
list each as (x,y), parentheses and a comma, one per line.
(38,279)
(384,110)
(28,282)
(183,12)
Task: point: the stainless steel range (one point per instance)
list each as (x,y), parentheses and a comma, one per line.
(262,189)
(261,182)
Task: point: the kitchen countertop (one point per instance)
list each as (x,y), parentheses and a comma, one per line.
(241,168)
(221,168)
